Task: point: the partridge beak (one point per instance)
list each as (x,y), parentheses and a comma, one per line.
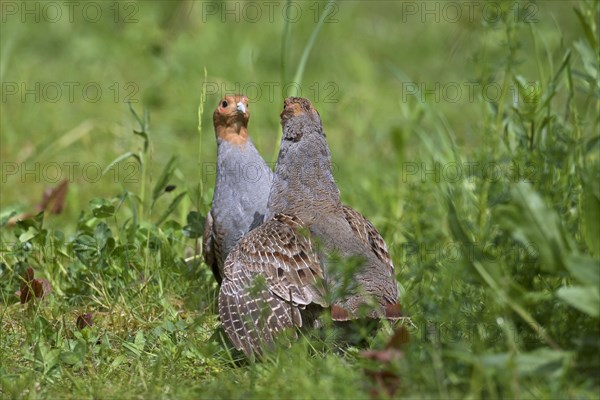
(241,107)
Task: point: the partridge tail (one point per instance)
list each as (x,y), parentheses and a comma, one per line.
(253,320)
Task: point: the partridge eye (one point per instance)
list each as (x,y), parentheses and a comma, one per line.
(224,104)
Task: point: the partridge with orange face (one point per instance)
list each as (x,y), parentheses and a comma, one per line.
(242,185)
(286,265)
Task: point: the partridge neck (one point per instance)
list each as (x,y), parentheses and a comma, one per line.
(303,180)
(235,133)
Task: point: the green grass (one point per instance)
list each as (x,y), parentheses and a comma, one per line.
(489,203)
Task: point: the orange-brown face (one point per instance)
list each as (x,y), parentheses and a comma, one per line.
(296,106)
(232,111)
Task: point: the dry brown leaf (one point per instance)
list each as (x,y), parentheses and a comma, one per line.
(384,377)
(33,288)
(53,201)
(85,320)
(398,339)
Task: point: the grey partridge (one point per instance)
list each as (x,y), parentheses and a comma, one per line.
(284,268)
(242,185)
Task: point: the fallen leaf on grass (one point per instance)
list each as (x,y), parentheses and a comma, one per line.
(385,376)
(85,320)
(386,382)
(53,201)
(33,287)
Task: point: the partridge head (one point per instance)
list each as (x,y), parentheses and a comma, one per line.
(231,119)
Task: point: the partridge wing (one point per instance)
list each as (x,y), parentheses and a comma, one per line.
(270,276)
(367,233)
(210,248)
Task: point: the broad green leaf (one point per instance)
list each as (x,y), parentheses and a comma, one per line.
(536,362)
(120,359)
(102,233)
(530,93)
(584,269)
(80,348)
(542,361)
(195,225)
(590,215)
(140,340)
(532,223)
(102,208)
(84,247)
(28,235)
(70,357)
(132,348)
(585,299)
(588,78)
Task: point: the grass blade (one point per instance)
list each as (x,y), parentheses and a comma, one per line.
(309,45)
